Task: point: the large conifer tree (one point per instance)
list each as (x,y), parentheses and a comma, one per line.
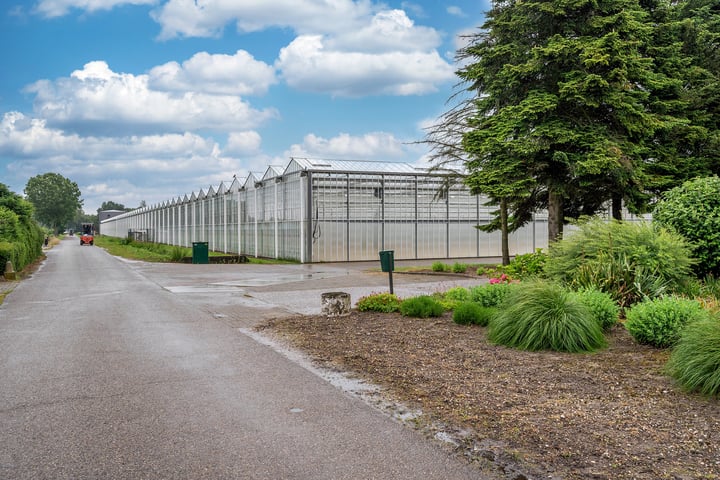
(561,119)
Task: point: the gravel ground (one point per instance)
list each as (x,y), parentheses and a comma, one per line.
(612,414)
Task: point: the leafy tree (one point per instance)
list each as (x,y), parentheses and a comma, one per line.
(20,237)
(560,118)
(110,205)
(56,199)
(682,150)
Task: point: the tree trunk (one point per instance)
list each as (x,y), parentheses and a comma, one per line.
(504,231)
(555,216)
(616,206)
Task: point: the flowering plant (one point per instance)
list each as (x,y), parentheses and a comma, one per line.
(501,279)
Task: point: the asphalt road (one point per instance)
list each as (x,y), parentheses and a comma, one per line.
(116,370)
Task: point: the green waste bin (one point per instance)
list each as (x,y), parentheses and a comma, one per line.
(200,252)
(387,260)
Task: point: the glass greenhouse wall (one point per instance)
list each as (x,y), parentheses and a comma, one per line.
(331,211)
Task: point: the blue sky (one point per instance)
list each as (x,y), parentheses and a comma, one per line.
(152,99)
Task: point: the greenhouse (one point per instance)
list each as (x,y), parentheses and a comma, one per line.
(331,211)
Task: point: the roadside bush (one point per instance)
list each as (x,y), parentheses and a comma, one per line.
(545,316)
(602,306)
(178,253)
(459,267)
(439,267)
(693,210)
(628,260)
(423,306)
(471,313)
(491,294)
(658,322)
(454,296)
(379,302)
(695,360)
(527,265)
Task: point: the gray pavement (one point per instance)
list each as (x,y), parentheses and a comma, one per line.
(117,369)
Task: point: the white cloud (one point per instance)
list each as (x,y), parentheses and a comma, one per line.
(371,146)
(207,19)
(238,74)
(152,168)
(307,65)
(58,8)
(387,31)
(243,143)
(456,11)
(98,100)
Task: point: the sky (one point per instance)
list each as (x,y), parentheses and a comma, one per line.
(149,100)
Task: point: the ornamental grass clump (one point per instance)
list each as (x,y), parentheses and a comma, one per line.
(695,360)
(423,306)
(629,260)
(605,310)
(471,313)
(658,322)
(545,316)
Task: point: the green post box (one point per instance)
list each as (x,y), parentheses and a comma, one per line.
(387,260)
(200,252)
(387,264)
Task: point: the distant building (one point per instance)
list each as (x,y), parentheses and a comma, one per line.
(328,211)
(106,214)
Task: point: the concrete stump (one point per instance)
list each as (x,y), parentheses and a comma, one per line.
(9,273)
(335,304)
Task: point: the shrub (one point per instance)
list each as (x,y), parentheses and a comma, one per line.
(527,265)
(439,267)
(454,296)
(459,267)
(178,253)
(658,322)
(545,316)
(379,302)
(602,306)
(471,313)
(423,306)
(695,360)
(693,210)
(628,260)
(490,295)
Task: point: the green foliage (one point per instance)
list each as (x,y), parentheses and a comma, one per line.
(693,210)
(439,267)
(490,295)
(423,306)
(602,306)
(527,265)
(177,253)
(20,237)
(452,297)
(56,199)
(471,313)
(545,316)
(459,267)
(695,360)
(458,294)
(628,260)
(550,107)
(658,322)
(379,302)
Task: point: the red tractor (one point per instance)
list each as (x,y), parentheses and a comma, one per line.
(88,232)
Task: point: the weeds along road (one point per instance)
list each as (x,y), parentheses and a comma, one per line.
(106,374)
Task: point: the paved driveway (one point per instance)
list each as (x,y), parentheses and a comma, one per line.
(116,369)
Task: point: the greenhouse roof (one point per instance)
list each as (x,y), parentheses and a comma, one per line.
(351,166)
